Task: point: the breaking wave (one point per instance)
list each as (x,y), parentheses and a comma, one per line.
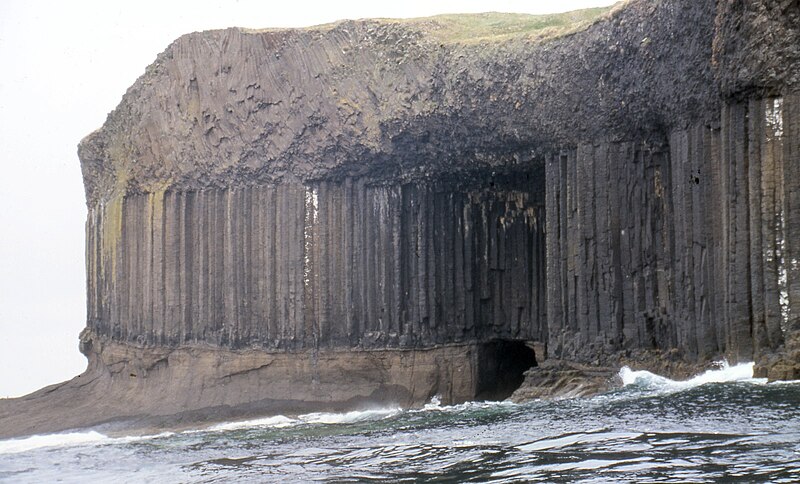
(281,421)
(634,380)
(14,446)
(325,418)
(69,439)
(435,405)
(725,373)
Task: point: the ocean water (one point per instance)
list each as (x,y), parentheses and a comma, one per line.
(721,426)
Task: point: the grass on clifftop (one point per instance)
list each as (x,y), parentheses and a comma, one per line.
(465,28)
(494,26)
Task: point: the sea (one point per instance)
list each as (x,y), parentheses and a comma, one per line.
(721,426)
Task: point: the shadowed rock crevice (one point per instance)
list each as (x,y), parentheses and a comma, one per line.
(503,364)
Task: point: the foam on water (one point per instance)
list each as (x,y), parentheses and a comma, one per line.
(644,380)
(330,418)
(750,432)
(278,421)
(14,446)
(70,439)
(435,405)
(724,373)
(349,417)
(318,418)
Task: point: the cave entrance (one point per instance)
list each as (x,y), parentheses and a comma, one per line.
(501,368)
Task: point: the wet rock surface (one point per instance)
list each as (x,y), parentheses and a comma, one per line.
(565,379)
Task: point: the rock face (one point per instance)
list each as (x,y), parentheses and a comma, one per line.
(128,387)
(377,212)
(324,265)
(686,244)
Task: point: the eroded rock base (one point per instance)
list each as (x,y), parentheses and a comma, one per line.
(781,365)
(128,388)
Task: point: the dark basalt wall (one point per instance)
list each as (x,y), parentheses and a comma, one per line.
(322,265)
(686,245)
(371,185)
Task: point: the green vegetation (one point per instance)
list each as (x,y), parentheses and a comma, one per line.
(493,26)
(467,28)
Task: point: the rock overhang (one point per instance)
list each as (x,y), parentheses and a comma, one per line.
(391,99)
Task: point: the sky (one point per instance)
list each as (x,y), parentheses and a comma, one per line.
(63,67)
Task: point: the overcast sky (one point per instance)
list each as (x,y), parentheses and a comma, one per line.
(63,67)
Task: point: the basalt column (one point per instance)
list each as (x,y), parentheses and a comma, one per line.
(685,244)
(324,265)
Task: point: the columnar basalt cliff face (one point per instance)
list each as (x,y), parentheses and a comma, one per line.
(396,211)
(322,265)
(680,246)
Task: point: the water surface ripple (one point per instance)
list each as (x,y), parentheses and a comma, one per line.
(724,427)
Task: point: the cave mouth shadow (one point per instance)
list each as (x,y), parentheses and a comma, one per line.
(501,368)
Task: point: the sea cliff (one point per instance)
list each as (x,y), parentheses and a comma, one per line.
(377,212)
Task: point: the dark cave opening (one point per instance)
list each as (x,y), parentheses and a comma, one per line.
(502,365)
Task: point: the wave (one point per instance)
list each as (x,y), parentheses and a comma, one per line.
(725,373)
(785,382)
(69,439)
(33,442)
(323,418)
(278,421)
(435,405)
(641,379)
(588,437)
(329,418)
(349,417)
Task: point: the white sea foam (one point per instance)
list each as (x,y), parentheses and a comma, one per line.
(70,439)
(330,418)
(137,438)
(435,405)
(725,373)
(324,418)
(785,382)
(33,442)
(349,417)
(277,421)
